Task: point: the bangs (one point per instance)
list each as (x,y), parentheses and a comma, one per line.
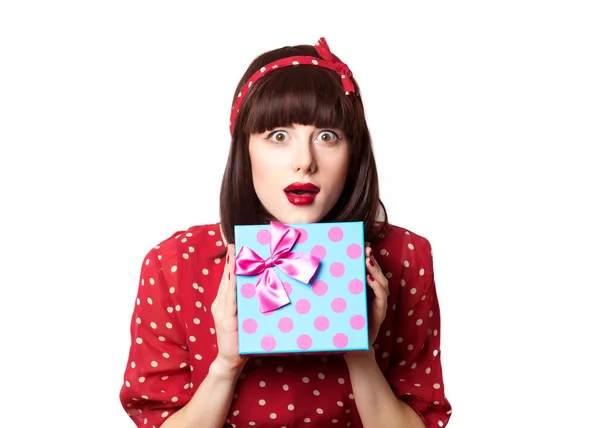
(305,95)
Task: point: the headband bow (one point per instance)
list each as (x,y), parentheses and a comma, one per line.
(326,60)
(340,67)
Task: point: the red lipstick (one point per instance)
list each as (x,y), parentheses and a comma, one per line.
(301,193)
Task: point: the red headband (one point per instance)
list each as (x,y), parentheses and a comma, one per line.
(327,60)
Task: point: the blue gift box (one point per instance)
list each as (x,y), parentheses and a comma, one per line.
(301,288)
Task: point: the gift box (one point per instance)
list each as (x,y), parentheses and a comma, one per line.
(301,288)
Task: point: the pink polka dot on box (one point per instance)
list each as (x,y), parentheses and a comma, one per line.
(301,288)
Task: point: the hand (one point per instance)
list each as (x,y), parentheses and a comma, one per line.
(381,291)
(224,312)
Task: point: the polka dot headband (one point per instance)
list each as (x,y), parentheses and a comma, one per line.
(327,60)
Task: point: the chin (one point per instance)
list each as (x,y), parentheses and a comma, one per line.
(299,218)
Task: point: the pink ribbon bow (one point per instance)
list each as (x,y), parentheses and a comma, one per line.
(270,291)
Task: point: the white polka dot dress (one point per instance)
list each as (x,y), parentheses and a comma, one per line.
(173,342)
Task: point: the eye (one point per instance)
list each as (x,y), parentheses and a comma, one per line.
(278,136)
(328,136)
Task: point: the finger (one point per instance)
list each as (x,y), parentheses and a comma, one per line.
(230,285)
(379,304)
(230,258)
(372,257)
(379,312)
(375,271)
(369,259)
(377,287)
(226,272)
(231,299)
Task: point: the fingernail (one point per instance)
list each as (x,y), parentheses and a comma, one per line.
(370,278)
(371,262)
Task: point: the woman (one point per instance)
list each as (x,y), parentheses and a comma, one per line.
(300,153)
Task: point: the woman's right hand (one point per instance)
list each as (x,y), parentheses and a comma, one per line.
(224,312)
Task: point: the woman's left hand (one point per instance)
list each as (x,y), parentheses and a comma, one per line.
(381,290)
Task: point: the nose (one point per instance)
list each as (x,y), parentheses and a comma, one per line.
(304,158)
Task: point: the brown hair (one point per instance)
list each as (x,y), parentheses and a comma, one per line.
(305,95)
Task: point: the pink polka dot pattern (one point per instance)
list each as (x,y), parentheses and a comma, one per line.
(303,235)
(321,323)
(357,322)
(268,343)
(338,304)
(248,290)
(249,325)
(319,287)
(336,234)
(288,288)
(340,340)
(263,237)
(354,251)
(337,269)
(302,306)
(319,252)
(285,324)
(356,286)
(304,342)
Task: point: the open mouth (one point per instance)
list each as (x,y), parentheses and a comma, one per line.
(302,189)
(301,192)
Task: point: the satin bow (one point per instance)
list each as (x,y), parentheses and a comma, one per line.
(341,68)
(270,291)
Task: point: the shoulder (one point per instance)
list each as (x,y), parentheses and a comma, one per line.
(402,252)
(403,240)
(195,242)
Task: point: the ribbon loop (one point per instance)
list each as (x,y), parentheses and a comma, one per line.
(340,67)
(270,291)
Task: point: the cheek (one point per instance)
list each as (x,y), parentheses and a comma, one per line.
(264,175)
(341,173)
(257,167)
(256,171)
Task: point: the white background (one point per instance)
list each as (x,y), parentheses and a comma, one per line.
(485,121)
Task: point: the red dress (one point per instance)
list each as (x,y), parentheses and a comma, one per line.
(174,342)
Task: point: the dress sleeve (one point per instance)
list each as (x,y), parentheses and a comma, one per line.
(157,378)
(416,370)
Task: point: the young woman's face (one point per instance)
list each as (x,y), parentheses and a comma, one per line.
(299,172)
